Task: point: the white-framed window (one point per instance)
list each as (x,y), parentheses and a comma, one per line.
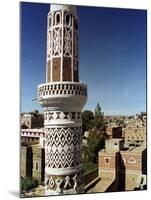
(68,19)
(57,18)
(107,160)
(132,160)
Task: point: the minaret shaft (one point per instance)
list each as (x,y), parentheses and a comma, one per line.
(62,98)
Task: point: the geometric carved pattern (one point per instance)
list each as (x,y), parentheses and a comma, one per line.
(56,115)
(62,89)
(49,44)
(56,41)
(67,182)
(68,42)
(63,147)
(37,133)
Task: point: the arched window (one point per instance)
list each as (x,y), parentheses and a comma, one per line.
(132,160)
(57,18)
(68,19)
(107,160)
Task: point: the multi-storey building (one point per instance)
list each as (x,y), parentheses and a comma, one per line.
(32,120)
(122,168)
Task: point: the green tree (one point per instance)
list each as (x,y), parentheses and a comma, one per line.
(96,139)
(95,143)
(87,120)
(28,184)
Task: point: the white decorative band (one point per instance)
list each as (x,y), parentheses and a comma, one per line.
(62,88)
(63,171)
(62,124)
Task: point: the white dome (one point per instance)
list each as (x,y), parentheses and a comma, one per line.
(55,7)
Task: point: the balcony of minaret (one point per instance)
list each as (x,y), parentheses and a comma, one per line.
(69,93)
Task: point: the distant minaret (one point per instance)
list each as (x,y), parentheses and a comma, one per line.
(62,98)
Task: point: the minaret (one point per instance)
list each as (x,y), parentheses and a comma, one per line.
(62,98)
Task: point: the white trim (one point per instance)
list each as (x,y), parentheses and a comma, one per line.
(72,76)
(47,49)
(63,125)
(51,45)
(107,154)
(63,171)
(56,14)
(132,160)
(131,172)
(104,170)
(63,83)
(61,67)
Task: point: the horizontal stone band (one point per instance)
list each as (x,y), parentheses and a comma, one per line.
(63,171)
(62,88)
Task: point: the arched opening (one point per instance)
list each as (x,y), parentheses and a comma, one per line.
(68,19)
(57,18)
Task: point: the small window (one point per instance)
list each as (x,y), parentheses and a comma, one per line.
(107,160)
(132,160)
(36,166)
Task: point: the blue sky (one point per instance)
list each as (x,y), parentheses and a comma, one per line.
(112,45)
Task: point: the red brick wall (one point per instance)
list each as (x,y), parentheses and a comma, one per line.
(49,71)
(114,132)
(104,165)
(67,69)
(134,166)
(56,69)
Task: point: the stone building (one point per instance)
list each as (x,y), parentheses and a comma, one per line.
(26,161)
(122,168)
(32,120)
(114,132)
(62,98)
(32,162)
(135,135)
(38,169)
(33,136)
(33,154)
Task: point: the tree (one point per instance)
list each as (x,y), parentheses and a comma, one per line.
(95,143)
(87,120)
(96,139)
(28,183)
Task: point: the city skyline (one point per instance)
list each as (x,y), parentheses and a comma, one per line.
(112,56)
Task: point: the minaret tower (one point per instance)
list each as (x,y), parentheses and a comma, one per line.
(62,98)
